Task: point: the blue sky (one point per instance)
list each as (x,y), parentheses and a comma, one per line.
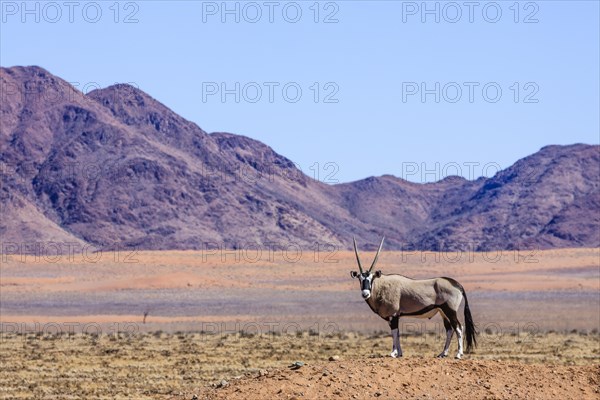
(361,69)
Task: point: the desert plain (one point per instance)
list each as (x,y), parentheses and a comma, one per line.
(228,324)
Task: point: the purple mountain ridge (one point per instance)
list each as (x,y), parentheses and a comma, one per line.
(117,169)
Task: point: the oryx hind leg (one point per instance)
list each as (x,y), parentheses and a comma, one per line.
(456,326)
(459,336)
(449,333)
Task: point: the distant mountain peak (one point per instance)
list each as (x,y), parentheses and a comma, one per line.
(454,179)
(121,95)
(31,70)
(34,84)
(123,92)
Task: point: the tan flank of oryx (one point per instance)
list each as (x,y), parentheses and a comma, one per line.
(395,296)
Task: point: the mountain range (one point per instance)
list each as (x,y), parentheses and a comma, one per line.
(115,168)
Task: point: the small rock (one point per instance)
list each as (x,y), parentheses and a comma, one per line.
(297,365)
(334,358)
(325,372)
(487,385)
(377,394)
(262,372)
(223,383)
(194,397)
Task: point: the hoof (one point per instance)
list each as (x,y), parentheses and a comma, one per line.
(442,355)
(458,356)
(394,354)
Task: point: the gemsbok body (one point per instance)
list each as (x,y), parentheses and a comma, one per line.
(395,296)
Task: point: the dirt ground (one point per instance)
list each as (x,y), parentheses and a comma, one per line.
(416,378)
(178,366)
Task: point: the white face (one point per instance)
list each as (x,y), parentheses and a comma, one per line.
(365,279)
(365,285)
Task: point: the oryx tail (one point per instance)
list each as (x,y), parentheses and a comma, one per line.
(470,330)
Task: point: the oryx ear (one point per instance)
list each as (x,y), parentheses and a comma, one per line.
(353,274)
(378,274)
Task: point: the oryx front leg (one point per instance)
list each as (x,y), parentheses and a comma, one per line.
(396,349)
(449,333)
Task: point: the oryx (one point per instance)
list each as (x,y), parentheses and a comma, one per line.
(395,296)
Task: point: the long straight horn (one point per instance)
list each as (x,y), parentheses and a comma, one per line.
(377,255)
(357,258)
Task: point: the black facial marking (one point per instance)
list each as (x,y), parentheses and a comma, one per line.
(366,283)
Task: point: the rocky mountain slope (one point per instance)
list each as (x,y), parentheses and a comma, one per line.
(116,168)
